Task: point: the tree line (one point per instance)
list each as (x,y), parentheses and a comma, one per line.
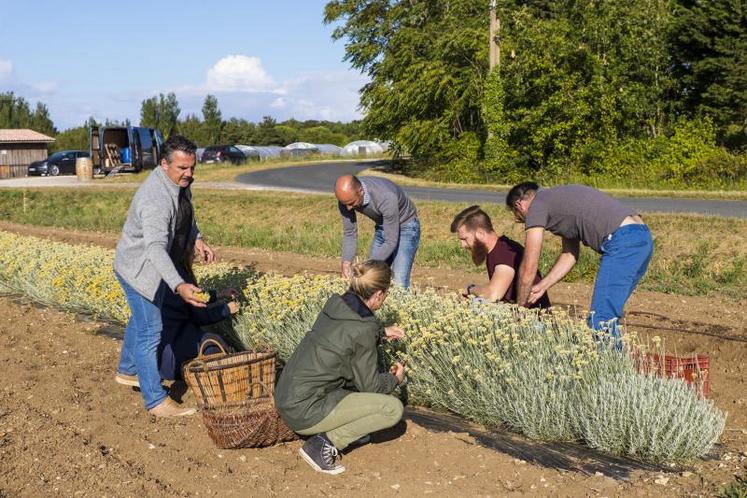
(162,112)
(652,89)
(15,112)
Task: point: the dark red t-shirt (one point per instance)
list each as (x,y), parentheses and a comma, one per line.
(510,253)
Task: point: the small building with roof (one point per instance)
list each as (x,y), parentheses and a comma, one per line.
(19,148)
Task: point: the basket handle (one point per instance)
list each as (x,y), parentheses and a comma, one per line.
(264,386)
(205,343)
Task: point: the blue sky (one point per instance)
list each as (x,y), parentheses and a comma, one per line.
(101,59)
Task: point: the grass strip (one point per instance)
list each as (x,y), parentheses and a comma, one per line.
(694,255)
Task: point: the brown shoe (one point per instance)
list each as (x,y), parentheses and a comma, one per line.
(126,380)
(170,408)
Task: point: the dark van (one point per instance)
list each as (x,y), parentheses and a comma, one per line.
(124,148)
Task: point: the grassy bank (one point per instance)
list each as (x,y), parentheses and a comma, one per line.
(694,255)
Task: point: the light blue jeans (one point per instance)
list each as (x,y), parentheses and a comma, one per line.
(140,344)
(403,256)
(625,257)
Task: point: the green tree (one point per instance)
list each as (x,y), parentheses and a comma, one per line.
(149,113)
(575,76)
(15,112)
(266,133)
(426,61)
(168,114)
(709,47)
(238,131)
(287,134)
(212,120)
(71,139)
(322,135)
(191,127)
(161,113)
(41,122)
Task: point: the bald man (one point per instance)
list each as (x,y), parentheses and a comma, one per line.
(397,235)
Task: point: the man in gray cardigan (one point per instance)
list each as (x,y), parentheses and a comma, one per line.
(397,234)
(160,228)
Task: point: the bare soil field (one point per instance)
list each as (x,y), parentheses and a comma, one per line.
(67,429)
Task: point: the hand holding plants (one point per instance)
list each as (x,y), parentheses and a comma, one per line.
(189,293)
(536,293)
(399,372)
(393,332)
(233,307)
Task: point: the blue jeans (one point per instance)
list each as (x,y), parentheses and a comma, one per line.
(625,257)
(140,345)
(404,254)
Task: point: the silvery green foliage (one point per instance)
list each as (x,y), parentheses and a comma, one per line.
(541,375)
(650,418)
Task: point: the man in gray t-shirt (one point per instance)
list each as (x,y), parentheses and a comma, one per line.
(581,214)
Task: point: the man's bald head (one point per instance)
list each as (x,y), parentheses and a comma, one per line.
(349,191)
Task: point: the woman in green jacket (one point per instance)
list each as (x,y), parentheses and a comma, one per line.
(331,388)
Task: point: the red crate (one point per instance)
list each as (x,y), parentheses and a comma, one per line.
(693,369)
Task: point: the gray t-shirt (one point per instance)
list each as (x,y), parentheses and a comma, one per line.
(577,212)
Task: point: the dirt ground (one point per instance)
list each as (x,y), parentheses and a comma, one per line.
(67,429)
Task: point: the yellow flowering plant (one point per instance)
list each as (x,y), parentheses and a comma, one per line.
(541,374)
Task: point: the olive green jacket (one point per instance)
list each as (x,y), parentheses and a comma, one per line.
(338,356)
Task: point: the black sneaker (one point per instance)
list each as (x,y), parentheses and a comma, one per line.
(321,455)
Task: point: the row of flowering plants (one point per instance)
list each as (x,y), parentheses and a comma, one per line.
(540,374)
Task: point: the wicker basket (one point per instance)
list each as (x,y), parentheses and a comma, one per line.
(226,378)
(252,423)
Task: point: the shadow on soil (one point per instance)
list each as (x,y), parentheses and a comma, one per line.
(559,456)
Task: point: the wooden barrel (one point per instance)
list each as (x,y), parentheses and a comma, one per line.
(84,169)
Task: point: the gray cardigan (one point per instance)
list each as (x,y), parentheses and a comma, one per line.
(142,258)
(388,206)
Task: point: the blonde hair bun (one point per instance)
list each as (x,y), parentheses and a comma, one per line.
(369,277)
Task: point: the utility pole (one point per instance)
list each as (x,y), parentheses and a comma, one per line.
(495,36)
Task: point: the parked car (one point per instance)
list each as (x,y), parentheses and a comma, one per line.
(223,154)
(124,148)
(59,163)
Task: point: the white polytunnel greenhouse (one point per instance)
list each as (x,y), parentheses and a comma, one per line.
(299,149)
(329,149)
(386,145)
(362,148)
(267,151)
(249,151)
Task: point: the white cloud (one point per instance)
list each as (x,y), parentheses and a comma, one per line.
(6,70)
(239,73)
(245,89)
(46,87)
(331,95)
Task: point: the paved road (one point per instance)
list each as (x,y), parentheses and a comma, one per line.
(321,178)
